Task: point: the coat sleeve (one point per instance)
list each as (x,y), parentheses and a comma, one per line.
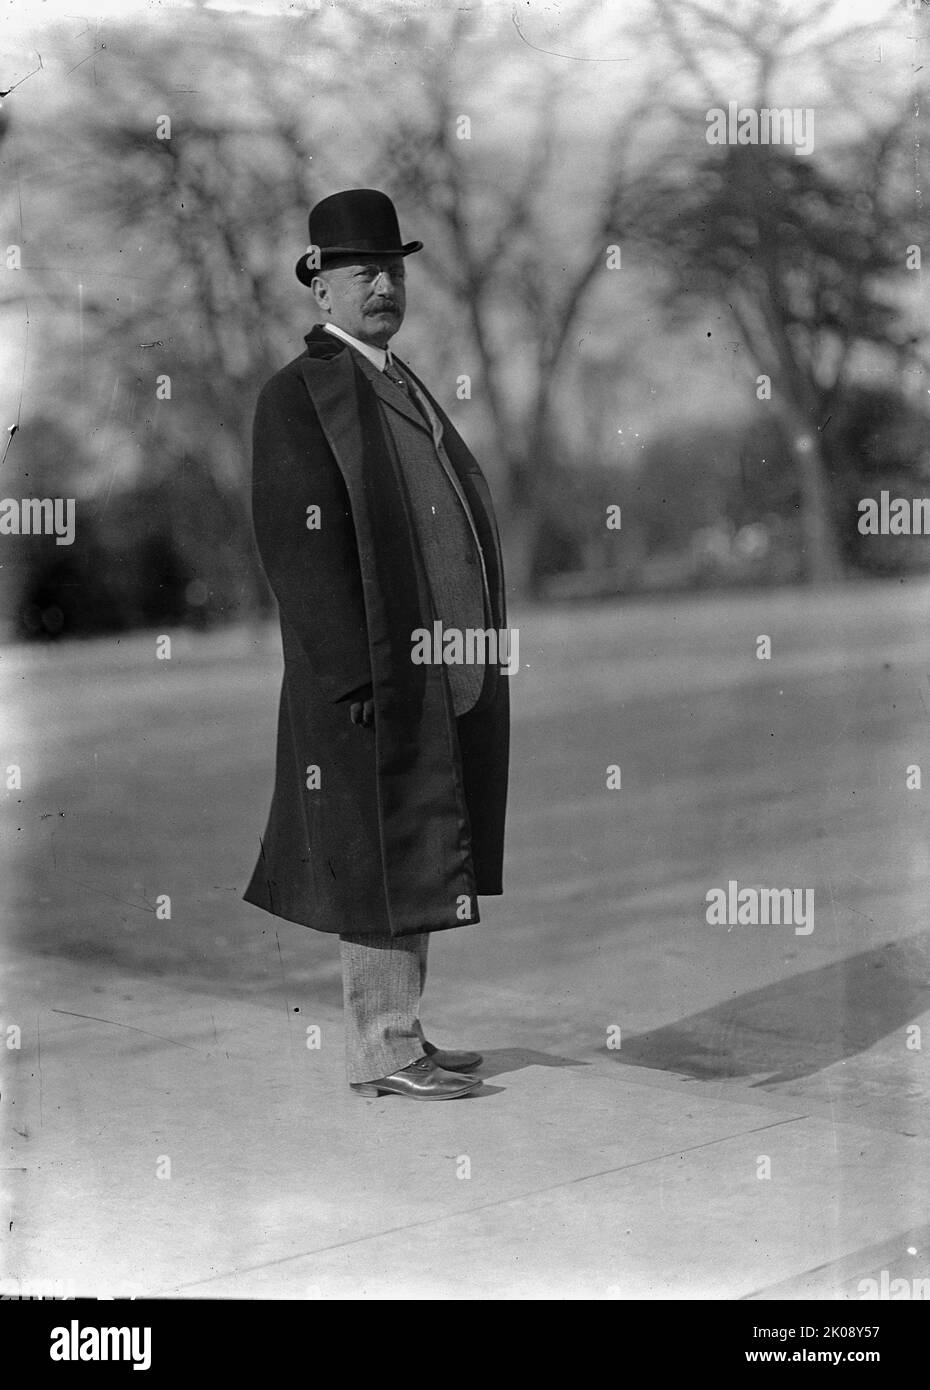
(306,538)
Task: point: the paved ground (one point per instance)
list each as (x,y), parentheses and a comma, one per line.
(762,1129)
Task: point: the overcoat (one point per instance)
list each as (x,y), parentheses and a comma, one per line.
(394,828)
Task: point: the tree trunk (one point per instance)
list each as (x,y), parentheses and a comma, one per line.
(821,556)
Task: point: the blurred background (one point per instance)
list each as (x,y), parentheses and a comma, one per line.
(157,169)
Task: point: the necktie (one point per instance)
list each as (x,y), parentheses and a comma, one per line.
(392,374)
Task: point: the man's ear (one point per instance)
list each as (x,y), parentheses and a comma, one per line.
(320,291)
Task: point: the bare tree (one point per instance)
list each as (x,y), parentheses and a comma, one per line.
(797,252)
(178,213)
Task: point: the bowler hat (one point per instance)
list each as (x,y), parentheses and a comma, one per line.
(357,221)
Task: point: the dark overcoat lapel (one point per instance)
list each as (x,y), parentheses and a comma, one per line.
(405,826)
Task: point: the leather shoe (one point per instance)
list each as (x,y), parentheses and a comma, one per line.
(453,1061)
(422,1080)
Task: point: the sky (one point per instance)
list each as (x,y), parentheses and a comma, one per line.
(19,17)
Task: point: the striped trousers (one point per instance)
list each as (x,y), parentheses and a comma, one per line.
(382,981)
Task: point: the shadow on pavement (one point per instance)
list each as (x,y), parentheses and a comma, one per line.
(797,1026)
(506,1059)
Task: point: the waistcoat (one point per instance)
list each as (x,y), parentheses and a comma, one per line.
(443,524)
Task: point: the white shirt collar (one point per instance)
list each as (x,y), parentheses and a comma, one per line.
(377,356)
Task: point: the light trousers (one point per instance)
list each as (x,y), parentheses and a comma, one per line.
(382,983)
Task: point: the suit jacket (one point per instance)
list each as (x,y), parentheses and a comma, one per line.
(397,828)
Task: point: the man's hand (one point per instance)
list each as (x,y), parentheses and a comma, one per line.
(362,708)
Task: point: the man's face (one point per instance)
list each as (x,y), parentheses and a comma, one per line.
(366,298)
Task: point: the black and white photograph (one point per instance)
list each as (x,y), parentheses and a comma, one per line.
(465,661)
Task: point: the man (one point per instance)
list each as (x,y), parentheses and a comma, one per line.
(373,521)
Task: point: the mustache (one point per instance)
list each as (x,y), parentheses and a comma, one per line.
(383,306)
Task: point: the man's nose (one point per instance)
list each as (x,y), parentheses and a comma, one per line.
(384,283)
